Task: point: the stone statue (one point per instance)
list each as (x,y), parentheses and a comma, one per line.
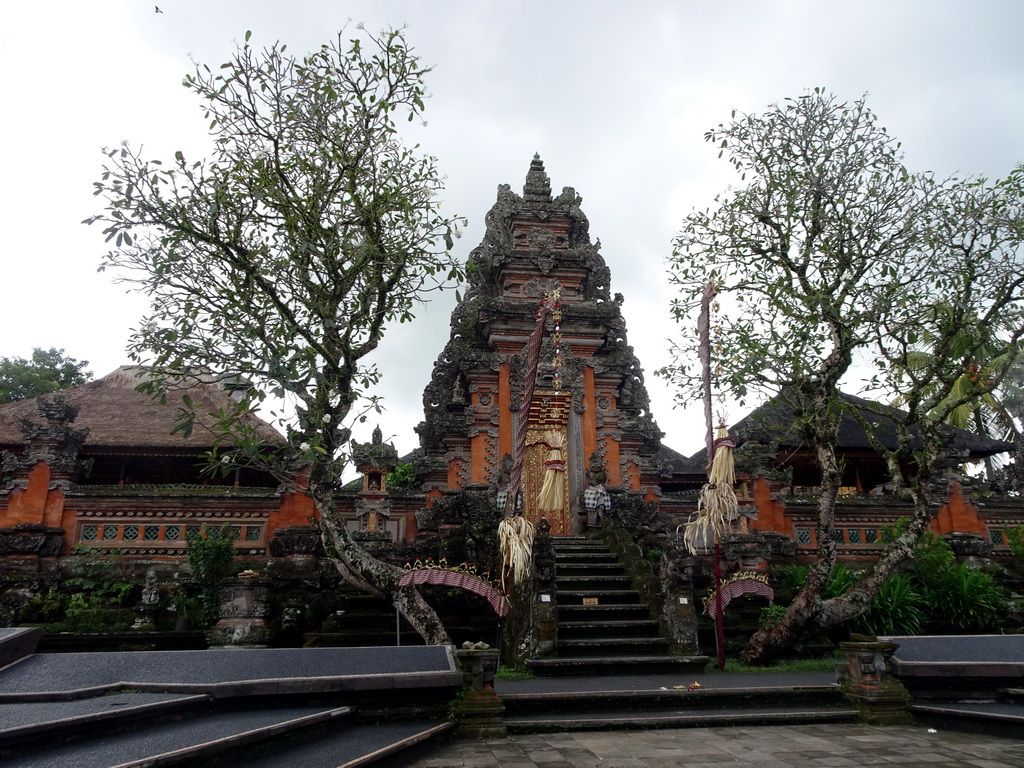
(151,592)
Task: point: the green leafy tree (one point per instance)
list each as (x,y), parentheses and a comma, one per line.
(280,259)
(829,252)
(978,407)
(210,555)
(47,371)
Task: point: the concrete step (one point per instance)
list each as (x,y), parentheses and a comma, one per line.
(568,597)
(579,630)
(631,719)
(618,665)
(612,646)
(51,722)
(350,747)
(566,558)
(613,581)
(669,698)
(999,718)
(606,612)
(180,742)
(578,570)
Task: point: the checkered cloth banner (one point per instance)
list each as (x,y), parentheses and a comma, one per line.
(737,588)
(523,415)
(459,580)
(596,496)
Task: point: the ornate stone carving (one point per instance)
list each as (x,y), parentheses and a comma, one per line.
(301,540)
(32,539)
(53,442)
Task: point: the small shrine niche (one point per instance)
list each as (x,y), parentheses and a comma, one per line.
(375,461)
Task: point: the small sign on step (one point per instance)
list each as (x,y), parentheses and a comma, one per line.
(590,601)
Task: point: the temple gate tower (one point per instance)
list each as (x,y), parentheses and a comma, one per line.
(533,245)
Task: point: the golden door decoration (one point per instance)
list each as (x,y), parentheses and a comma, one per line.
(533,480)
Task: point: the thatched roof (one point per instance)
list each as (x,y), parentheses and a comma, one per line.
(774,421)
(119,417)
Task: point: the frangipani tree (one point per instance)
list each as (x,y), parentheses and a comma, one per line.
(279,260)
(830,252)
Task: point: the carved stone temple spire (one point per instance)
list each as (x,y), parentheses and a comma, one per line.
(535,244)
(537,188)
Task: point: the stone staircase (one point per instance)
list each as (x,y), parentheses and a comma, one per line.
(604,628)
(245,708)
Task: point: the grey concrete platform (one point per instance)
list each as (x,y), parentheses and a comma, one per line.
(798,746)
(18,642)
(349,748)
(222,673)
(179,743)
(975,656)
(48,719)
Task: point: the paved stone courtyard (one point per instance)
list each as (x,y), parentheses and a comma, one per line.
(762,747)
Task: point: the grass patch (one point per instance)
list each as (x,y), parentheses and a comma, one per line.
(514,673)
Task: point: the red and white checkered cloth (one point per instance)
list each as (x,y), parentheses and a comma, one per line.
(460,580)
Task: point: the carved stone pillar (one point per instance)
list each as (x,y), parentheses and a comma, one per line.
(480,713)
(880,698)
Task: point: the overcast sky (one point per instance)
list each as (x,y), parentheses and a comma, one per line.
(615,97)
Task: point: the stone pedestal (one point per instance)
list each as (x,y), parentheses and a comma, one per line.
(145,620)
(479,712)
(243,613)
(880,698)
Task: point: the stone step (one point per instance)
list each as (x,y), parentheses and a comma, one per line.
(586,559)
(50,722)
(818,695)
(180,742)
(614,596)
(576,614)
(579,630)
(618,665)
(576,570)
(612,646)
(361,745)
(575,583)
(630,719)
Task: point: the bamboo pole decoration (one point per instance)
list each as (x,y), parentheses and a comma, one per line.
(704,352)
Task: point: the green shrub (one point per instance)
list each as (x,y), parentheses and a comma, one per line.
(932,557)
(1015,538)
(209,557)
(842,579)
(104,574)
(771,616)
(792,577)
(897,609)
(967,599)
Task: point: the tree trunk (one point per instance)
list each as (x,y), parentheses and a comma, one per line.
(360,569)
(809,614)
